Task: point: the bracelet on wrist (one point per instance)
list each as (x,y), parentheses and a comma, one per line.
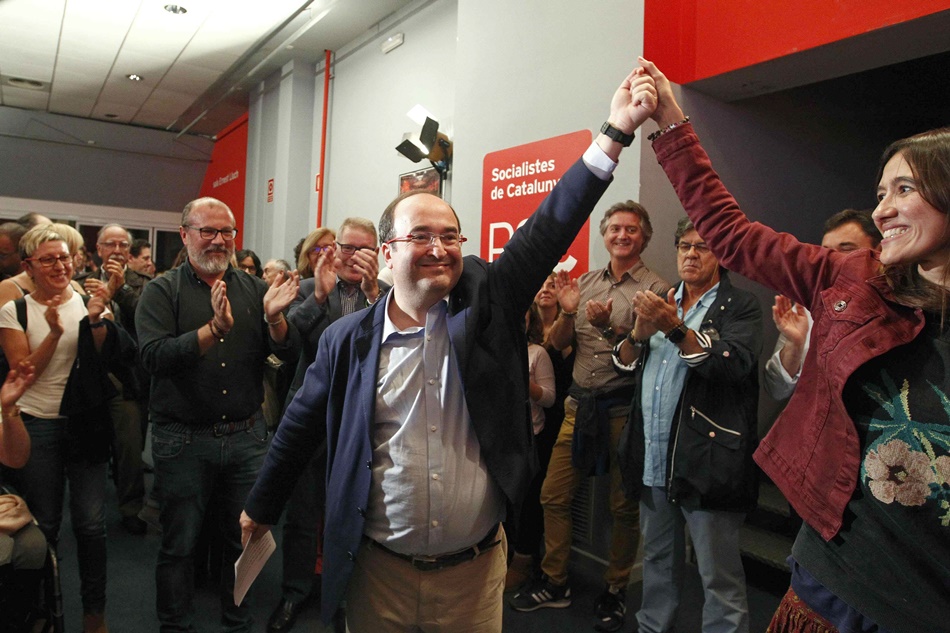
(637,342)
(569,314)
(11,413)
(216,332)
(668,128)
(280,318)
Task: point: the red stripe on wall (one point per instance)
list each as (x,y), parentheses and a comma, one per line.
(226,174)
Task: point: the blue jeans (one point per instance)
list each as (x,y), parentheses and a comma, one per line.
(194,470)
(42,482)
(715,536)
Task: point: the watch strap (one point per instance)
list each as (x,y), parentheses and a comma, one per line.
(677,334)
(621,137)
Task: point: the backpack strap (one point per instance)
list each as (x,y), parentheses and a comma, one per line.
(20,305)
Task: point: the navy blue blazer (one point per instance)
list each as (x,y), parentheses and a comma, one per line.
(486,324)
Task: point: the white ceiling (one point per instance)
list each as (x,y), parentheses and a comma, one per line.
(197,66)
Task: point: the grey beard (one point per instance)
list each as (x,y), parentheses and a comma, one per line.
(208,264)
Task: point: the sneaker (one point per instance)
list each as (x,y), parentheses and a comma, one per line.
(611,608)
(541,593)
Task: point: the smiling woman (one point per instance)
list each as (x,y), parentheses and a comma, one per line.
(862,451)
(47,329)
(912,214)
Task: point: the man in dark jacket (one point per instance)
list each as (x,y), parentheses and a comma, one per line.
(686,451)
(125,288)
(344,281)
(423,396)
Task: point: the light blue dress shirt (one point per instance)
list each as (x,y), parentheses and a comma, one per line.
(664,377)
(431,492)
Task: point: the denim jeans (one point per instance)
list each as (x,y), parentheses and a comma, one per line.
(715,536)
(42,484)
(195,469)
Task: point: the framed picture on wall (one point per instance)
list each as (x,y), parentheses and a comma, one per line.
(421,180)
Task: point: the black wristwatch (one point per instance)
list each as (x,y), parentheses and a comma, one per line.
(677,334)
(621,137)
(608,333)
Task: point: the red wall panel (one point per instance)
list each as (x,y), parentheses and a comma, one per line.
(695,39)
(226,173)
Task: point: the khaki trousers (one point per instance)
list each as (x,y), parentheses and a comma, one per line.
(388,595)
(557,495)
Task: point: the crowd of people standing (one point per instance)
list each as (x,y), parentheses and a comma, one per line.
(437,415)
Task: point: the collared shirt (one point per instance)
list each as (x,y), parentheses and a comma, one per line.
(777,382)
(664,377)
(125,301)
(431,492)
(226,382)
(349,294)
(593,367)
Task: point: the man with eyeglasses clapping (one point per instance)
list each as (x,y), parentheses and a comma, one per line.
(344,280)
(205,329)
(124,287)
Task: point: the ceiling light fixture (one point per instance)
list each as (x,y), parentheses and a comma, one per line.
(176,9)
(135,77)
(28,84)
(393,41)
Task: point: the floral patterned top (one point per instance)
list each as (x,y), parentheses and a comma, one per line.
(891,559)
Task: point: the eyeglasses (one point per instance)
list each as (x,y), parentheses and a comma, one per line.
(208,233)
(349,249)
(426,238)
(683,247)
(248,269)
(123,245)
(50,260)
(316,250)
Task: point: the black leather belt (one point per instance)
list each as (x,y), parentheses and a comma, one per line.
(432,563)
(218,429)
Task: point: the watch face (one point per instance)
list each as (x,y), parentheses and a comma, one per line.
(677,334)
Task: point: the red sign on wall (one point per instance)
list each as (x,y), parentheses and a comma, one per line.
(270,190)
(516,180)
(225,177)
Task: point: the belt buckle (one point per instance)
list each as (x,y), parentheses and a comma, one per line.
(220,429)
(425,563)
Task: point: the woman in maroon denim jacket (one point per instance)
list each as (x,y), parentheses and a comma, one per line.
(863,449)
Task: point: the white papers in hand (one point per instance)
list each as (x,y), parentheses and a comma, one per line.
(250,564)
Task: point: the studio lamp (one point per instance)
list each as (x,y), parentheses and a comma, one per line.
(430,144)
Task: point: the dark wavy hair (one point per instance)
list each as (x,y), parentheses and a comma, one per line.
(243,254)
(928,155)
(535,329)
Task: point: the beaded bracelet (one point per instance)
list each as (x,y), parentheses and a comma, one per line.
(219,334)
(668,128)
